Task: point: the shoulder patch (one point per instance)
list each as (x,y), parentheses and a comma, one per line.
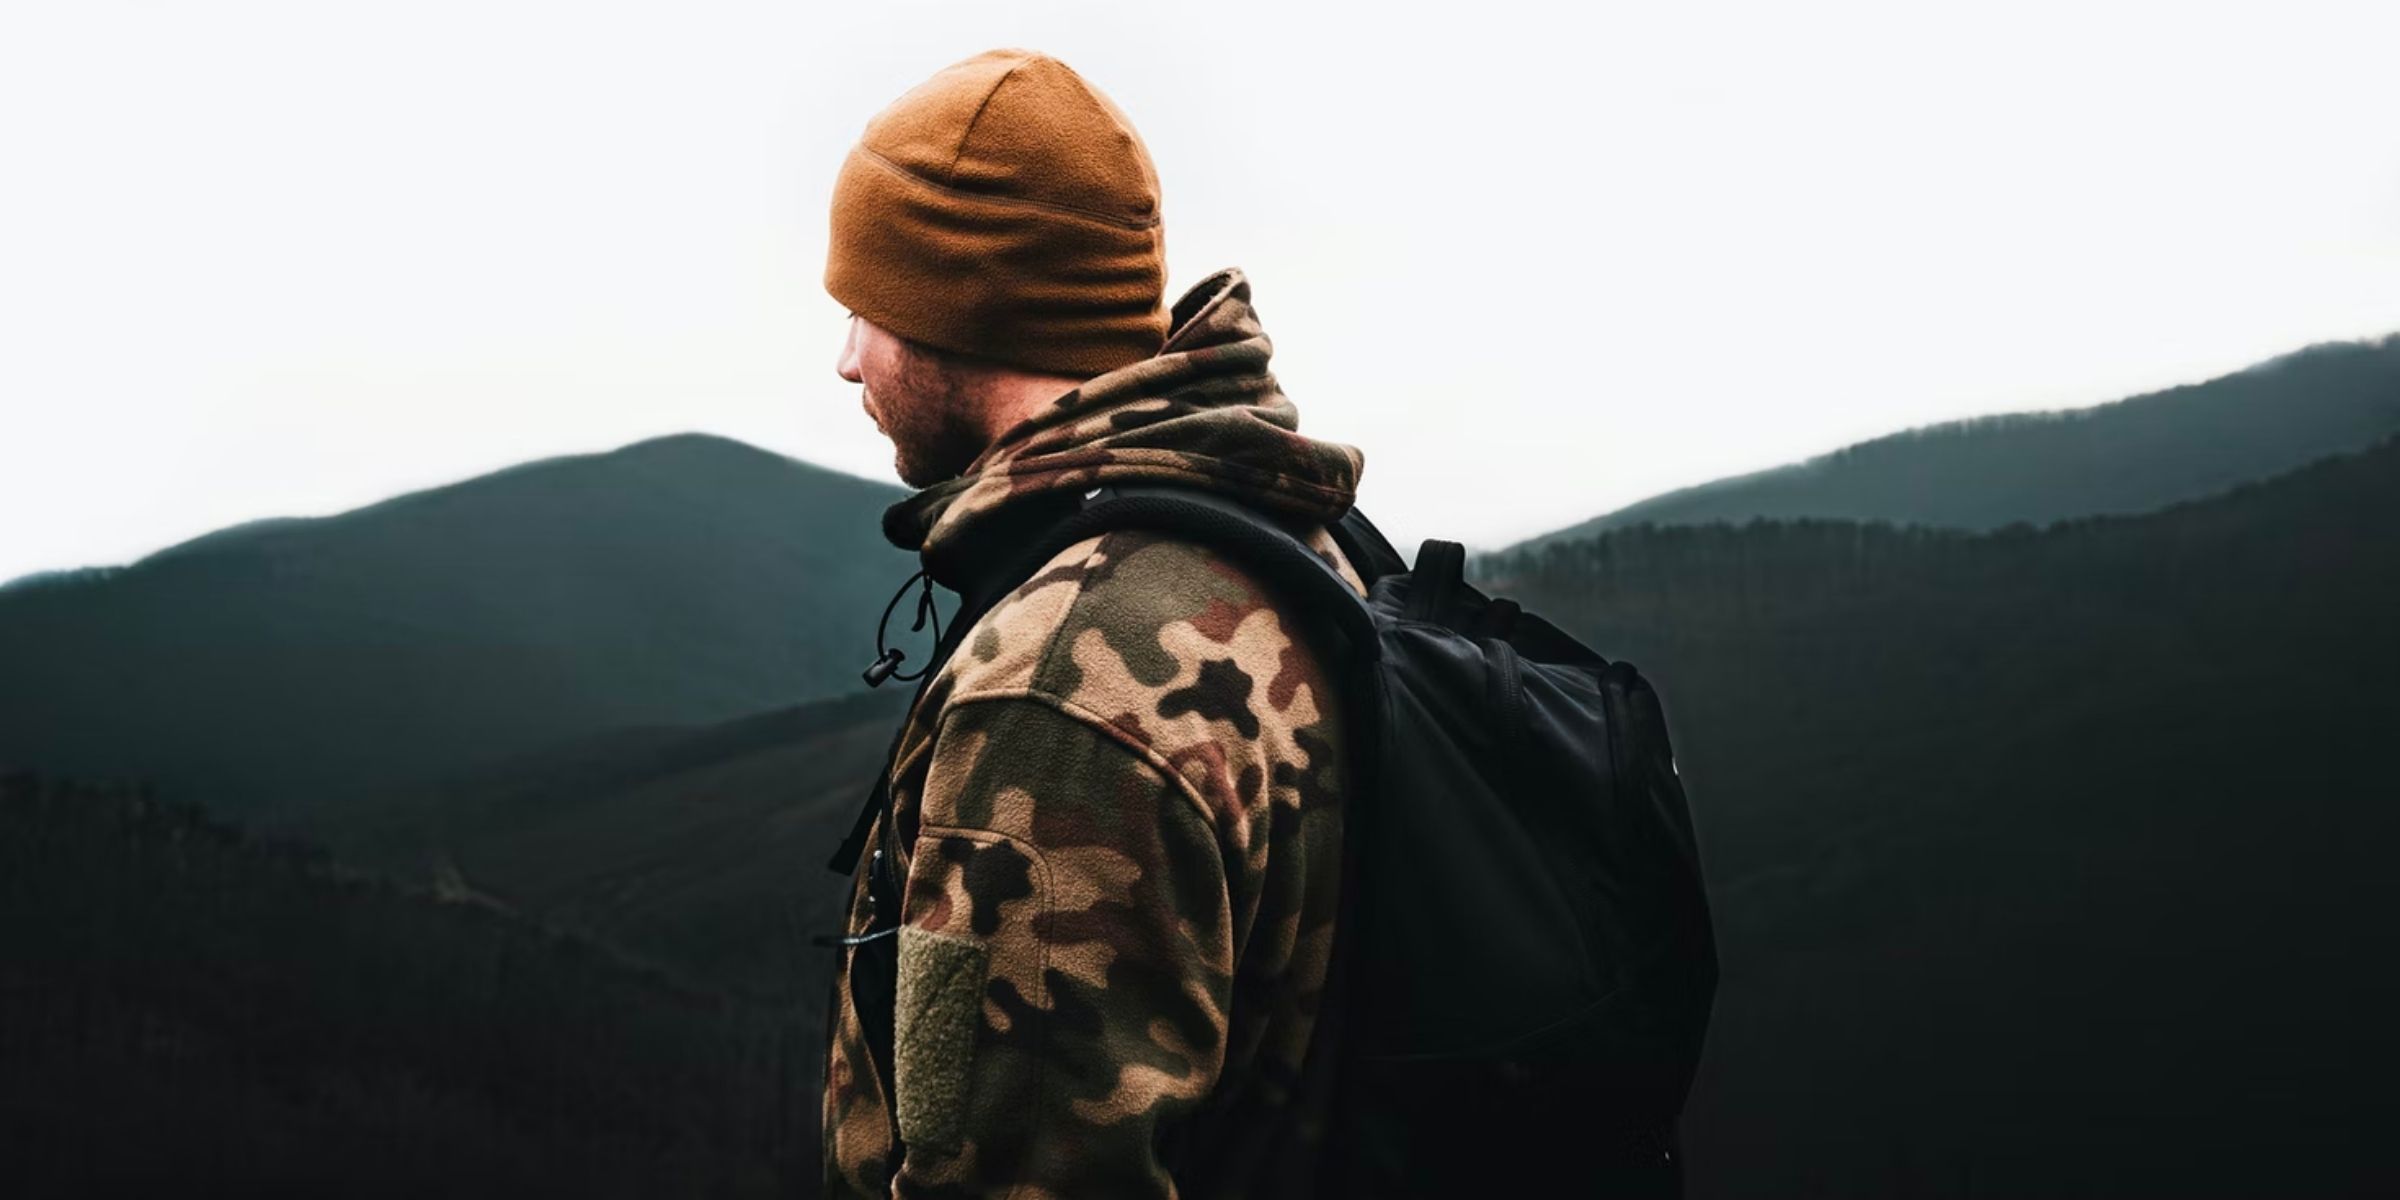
(938,1008)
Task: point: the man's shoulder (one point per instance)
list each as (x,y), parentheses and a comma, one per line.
(1141,600)
(1180,649)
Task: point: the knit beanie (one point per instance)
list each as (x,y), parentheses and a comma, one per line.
(1004,209)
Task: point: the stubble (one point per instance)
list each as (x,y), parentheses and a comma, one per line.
(932,421)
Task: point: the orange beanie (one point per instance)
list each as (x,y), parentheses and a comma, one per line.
(1005,209)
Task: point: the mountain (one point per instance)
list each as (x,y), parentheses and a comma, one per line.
(699,850)
(264,668)
(238,1014)
(2045,862)
(2130,456)
(186,1010)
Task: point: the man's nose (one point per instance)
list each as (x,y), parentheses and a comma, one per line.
(846,365)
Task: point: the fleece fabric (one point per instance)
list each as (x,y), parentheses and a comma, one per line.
(1004,209)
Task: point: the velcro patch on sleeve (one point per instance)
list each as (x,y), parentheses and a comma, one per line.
(938,1011)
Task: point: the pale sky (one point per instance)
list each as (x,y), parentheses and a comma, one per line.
(1537,261)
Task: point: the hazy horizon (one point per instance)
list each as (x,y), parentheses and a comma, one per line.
(1408,542)
(285,260)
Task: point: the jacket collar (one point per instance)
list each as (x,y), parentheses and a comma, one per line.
(1204,411)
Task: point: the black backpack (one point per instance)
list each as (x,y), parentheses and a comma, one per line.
(1524,962)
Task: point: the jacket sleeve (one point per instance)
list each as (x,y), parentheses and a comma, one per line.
(1065,958)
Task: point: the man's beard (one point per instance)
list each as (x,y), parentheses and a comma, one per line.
(931,423)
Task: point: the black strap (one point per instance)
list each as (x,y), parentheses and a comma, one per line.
(1370,553)
(845,859)
(1441,571)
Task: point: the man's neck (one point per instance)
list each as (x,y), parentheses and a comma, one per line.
(1011,397)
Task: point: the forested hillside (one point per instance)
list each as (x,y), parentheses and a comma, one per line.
(186,1011)
(2041,859)
(2131,456)
(700,849)
(284,664)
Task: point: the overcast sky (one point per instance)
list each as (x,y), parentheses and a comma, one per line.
(1538,261)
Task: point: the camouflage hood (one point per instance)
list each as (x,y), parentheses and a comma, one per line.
(1203,411)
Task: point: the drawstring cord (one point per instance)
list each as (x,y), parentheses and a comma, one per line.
(888,660)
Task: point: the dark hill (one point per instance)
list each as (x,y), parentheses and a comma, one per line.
(2046,862)
(700,850)
(266,667)
(2130,456)
(188,1011)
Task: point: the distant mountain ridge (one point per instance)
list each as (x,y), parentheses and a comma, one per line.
(2132,455)
(679,580)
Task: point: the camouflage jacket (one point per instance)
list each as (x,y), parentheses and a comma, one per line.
(1117,822)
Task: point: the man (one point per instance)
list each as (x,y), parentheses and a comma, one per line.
(1116,811)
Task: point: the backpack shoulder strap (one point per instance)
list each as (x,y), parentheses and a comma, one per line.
(1257,540)
(1370,553)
